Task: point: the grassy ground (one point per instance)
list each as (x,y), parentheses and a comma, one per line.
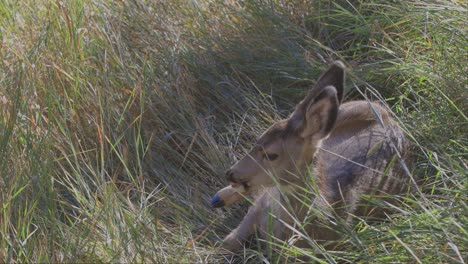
(117,119)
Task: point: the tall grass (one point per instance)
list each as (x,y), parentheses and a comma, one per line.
(117,119)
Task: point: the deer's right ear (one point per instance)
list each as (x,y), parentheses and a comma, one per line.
(334,76)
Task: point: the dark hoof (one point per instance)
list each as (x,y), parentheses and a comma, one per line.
(216,201)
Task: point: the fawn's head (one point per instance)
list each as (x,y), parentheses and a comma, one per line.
(288,146)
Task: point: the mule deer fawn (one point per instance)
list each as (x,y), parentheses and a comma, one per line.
(352,148)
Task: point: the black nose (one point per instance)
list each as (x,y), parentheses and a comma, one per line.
(229,175)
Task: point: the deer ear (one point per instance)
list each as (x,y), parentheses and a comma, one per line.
(321,114)
(334,76)
(317,113)
(318,117)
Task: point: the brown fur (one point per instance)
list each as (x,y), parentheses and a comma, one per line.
(351,147)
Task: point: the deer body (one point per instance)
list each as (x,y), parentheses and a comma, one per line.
(352,148)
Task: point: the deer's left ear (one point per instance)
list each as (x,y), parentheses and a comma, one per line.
(321,114)
(316,114)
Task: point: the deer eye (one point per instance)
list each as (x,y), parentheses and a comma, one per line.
(270,157)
